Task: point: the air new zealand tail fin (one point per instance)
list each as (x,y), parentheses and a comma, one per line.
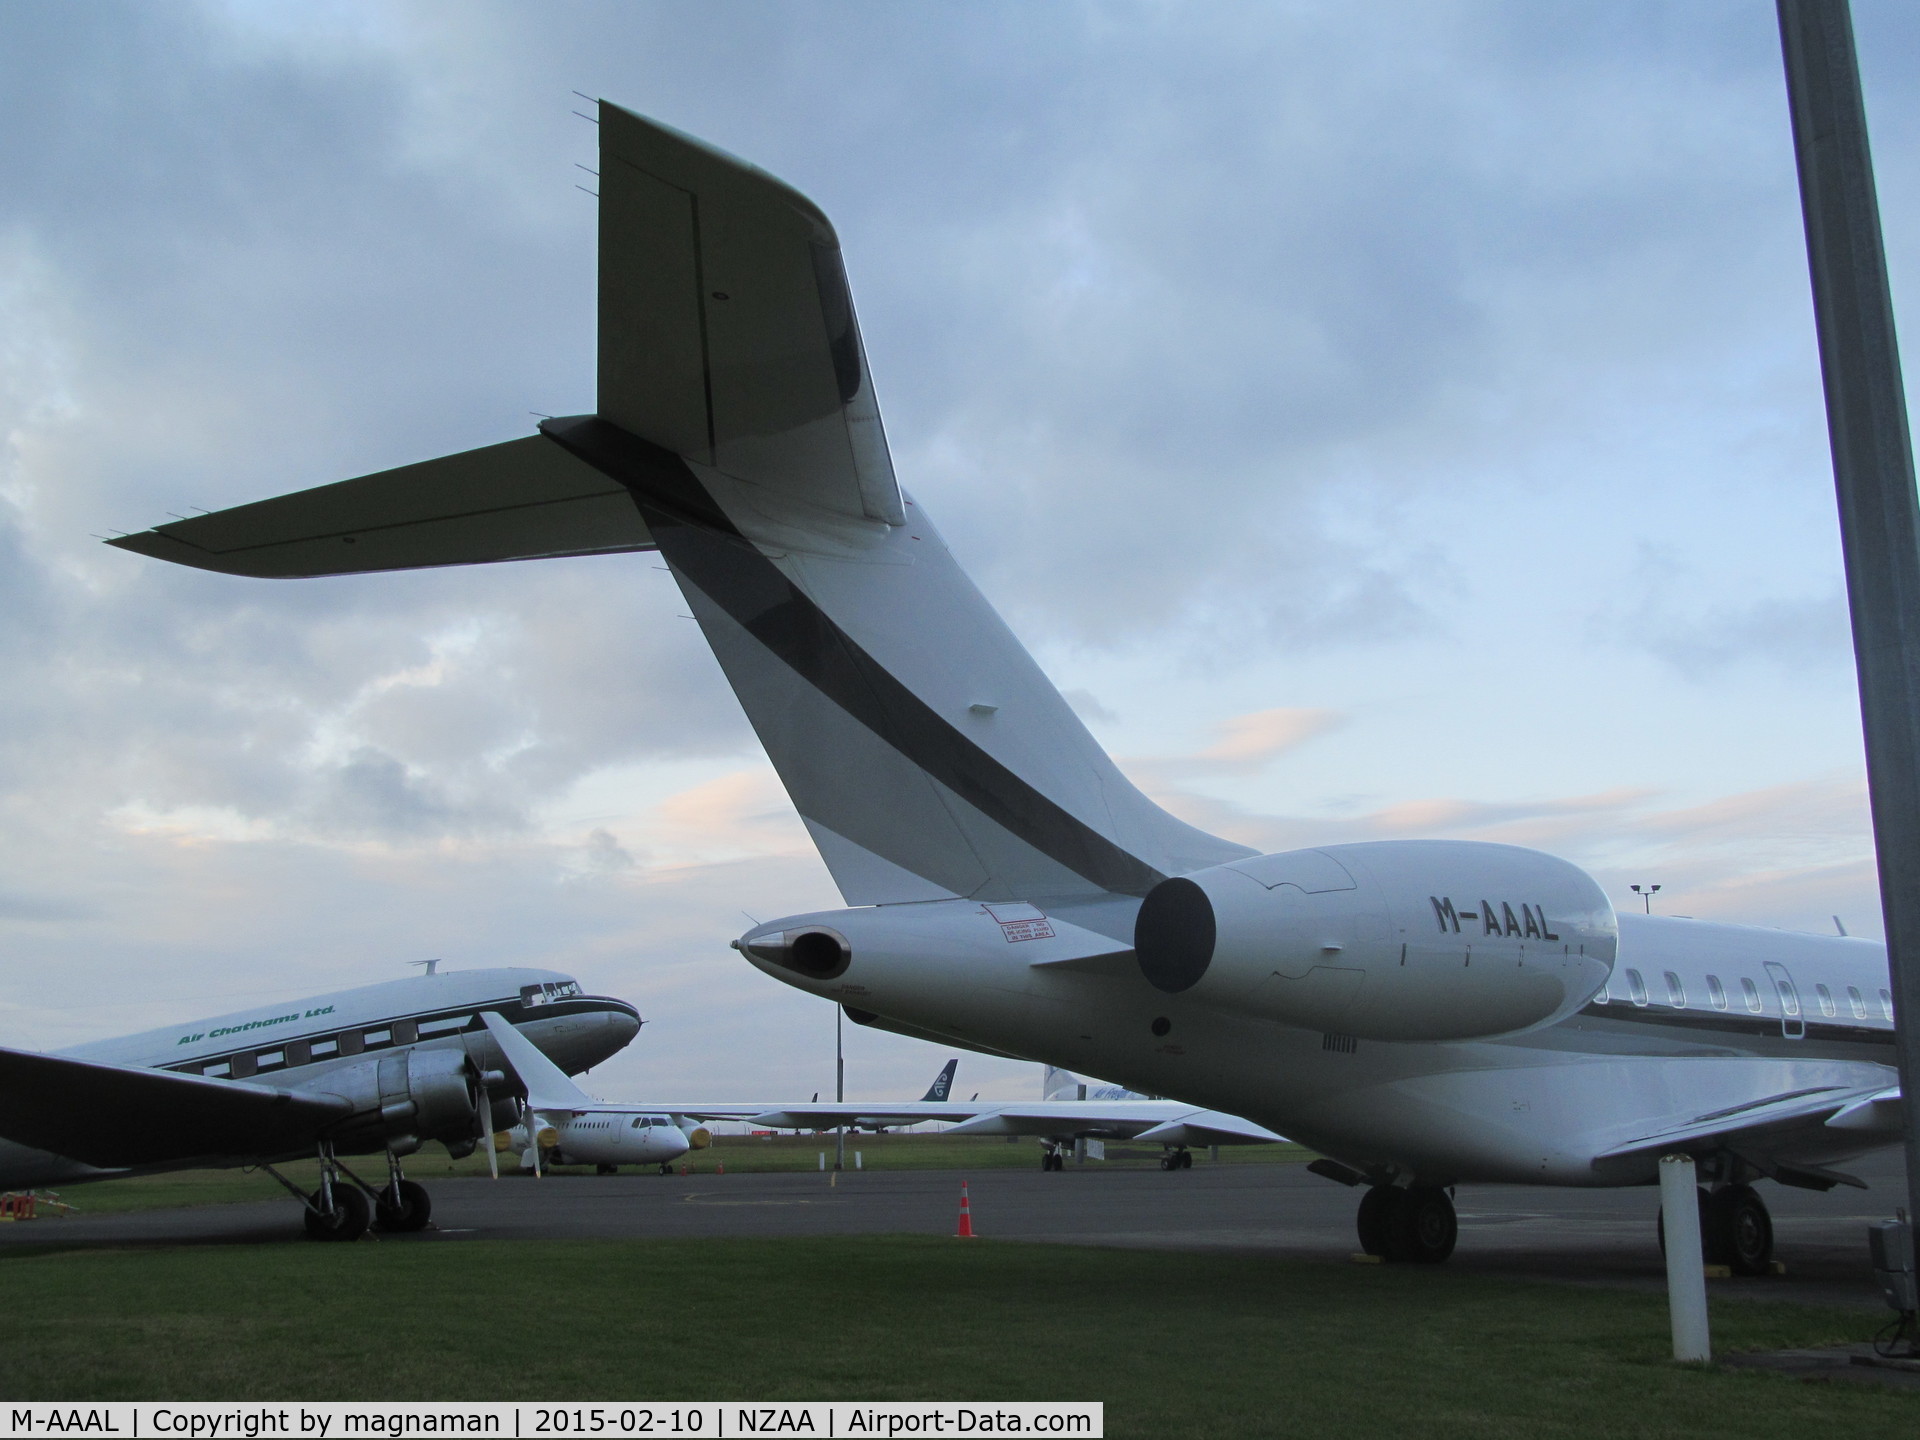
(926,752)
(942,1086)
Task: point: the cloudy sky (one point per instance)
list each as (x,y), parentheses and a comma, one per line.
(1382,420)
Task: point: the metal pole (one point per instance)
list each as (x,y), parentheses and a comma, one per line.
(1686,1276)
(1873,476)
(839,1089)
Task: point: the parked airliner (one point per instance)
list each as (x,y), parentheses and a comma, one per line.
(376,1070)
(1427,1013)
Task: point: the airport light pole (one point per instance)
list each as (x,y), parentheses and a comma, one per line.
(839,1088)
(1646,894)
(1873,479)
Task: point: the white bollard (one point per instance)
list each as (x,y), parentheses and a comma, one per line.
(1686,1274)
(823,1159)
(856,1159)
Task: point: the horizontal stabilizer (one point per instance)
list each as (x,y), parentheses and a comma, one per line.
(546,1084)
(526,499)
(117,1115)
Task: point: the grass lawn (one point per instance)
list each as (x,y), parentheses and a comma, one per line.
(1175,1344)
(741,1154)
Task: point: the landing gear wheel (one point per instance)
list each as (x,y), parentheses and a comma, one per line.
(606,1169)
(1051,1161)
(350,1218)
(666,1167)
(413,1210)
(1186,1160)
(1738,1231)
(1376,1209)
(1422,1228)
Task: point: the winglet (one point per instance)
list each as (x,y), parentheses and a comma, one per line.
(942,1086)
(547,1085)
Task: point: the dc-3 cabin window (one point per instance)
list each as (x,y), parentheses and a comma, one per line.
(1716,992)
(242,1067)
(1825,997)
(1636,988)
(405,1032)
(1856,1002)
(1750,993)
(1676,992)
(350,1042)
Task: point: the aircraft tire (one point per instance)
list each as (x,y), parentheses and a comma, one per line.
(606,1169)
(351,1218)
(1376,1209)
(412,1213)
(1741,1229)
(1186,1160)
(1422,1226)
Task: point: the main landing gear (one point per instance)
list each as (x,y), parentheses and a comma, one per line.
(345,1207)
(1735,1230)
(1052,1157)
(1415,1224)
(1180,1158)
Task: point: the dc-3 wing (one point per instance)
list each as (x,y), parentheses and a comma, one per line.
(116,1115)
(727,335)
(1774,1128)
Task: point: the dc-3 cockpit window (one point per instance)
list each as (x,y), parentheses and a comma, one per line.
(548,991)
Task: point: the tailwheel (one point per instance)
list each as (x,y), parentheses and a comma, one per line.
(404,1205)
(1737,1231)
(346,1219)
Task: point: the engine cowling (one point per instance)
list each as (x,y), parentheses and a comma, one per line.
(1389,940)
(411,1096)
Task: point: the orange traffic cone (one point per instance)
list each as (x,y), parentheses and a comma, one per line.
(965,1232)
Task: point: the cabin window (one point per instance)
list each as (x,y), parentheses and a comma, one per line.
(350,1042)
(1857,1002)
(1825,997)
(405,1032)
(299,1052)
(1676,992)
(1750,993)
(1716,992)
(242,1066)
(1636,987)
(1886,1003)
(218,1070)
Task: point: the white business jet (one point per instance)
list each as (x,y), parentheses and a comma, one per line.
(376,1070)
(1426,1013)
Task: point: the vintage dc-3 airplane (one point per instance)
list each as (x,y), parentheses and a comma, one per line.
(1426,1013)
(376,1070)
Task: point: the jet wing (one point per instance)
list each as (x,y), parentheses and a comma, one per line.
(527,499)
(727,332)
(117,1115)
(1774,1123)
(1166,1122)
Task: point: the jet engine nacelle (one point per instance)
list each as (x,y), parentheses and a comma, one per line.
(1391,940)
(411,1096)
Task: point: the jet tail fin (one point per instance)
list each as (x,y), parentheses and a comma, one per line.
(546,1084)
(942,1086)
(1058,1084)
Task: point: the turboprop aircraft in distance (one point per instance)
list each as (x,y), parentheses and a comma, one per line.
(1425,1013)
(377,1070)
(1065,1113)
